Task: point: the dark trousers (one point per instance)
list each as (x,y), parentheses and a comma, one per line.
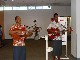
(19,53)
(57,48)
(0,40)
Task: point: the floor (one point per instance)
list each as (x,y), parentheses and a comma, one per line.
(35,50)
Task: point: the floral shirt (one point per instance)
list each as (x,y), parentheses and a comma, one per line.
(18,39)
(55,25)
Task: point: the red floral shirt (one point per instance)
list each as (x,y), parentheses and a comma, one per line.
(18,39)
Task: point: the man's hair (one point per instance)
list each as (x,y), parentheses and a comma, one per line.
(55,14)
(16,17)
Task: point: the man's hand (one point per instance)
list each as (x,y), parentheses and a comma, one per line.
(18,32)
(70,29)
(30,33)
(63,32)
(56,32)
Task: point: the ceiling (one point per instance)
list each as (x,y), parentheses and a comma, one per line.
(35,2)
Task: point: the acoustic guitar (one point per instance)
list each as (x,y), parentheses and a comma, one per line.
(16,35)
(55,32)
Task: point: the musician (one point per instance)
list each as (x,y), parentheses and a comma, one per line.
(57,36)
(18,34)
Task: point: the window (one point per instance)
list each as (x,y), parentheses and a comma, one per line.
(1,8)
(46,7)
(7,8)
(20,8)
(39,7)
(31,7)
(23,7)
(43,7)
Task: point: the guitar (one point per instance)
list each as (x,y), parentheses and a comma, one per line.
(53,32)
(18,36)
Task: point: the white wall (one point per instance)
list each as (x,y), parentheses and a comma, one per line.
(78,27)
(42,16)
(75,40)
(74,33)
(62,10)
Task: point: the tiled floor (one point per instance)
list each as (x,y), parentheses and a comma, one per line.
(35,50)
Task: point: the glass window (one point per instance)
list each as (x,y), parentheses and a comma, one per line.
(31,7)
(23,7)
(1,8)
(46,7)
(20,8)
(39,7)
(7,8)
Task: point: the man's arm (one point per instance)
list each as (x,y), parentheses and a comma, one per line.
(30,33)
(48,30)
(12,32)
(62,28)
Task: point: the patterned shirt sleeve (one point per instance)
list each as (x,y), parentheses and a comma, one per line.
(12,28)
(50,25)
(23,30)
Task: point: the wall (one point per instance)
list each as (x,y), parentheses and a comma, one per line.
(62,10)
(75,39)
(78,27)
(74,34)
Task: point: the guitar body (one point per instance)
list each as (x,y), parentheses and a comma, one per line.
(16,36)
(52,33)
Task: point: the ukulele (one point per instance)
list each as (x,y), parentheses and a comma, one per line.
(18,36)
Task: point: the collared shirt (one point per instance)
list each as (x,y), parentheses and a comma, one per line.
(53,24)
(18,40)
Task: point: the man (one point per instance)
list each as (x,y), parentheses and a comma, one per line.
(18,34)
(0,36)
(56,30)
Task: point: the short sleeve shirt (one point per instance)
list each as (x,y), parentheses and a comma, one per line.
(18,40)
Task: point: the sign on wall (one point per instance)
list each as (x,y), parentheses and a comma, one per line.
(63,21)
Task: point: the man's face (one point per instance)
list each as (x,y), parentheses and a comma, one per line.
(56,17)
(18,20)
